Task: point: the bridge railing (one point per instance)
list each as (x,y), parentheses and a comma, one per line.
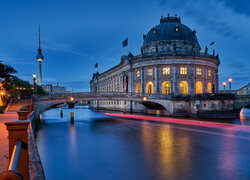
(18,151)
(136,95)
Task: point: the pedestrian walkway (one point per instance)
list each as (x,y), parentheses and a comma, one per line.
(16,105)
(4,142)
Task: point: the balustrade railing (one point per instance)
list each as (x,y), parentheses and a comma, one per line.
(18,151)
(136,95)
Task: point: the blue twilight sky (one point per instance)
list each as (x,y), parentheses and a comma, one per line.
(75,34)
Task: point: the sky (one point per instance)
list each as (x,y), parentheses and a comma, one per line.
(75,34)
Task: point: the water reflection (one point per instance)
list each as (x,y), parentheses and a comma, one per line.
(244,115)
(121,149)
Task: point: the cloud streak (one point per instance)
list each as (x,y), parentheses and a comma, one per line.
(214,15)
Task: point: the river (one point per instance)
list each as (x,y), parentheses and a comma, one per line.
(98,147)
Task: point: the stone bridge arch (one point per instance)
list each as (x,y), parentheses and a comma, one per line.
(242,102)
(153,104)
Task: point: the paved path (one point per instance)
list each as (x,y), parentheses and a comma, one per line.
(4,143)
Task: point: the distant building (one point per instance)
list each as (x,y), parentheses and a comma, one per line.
(49,88)
(227,91)
(244,90)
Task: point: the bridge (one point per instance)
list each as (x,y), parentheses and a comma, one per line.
(223,105)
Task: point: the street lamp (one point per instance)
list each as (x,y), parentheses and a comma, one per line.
(34,83)
(34,75)
(224,84)
(2,93)
(230,84)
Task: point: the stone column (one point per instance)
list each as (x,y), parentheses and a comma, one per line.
(132,80)
(216,81)
(142,81)
(191,83)
(205,80)
(156,76)
(174,83)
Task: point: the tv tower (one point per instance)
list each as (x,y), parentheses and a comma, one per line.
(40,58)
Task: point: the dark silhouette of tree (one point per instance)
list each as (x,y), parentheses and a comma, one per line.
(6,72)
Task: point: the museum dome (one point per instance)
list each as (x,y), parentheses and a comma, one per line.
(172,31)
(170,28)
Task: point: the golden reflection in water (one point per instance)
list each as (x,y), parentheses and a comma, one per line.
(72,137)
(166,149)
(41,118)
(147,139)
(242,117)
(173,151)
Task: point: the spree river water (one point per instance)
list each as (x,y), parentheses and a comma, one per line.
(98,147)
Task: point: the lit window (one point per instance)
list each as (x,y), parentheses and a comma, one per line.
(166,71)
(137,73)
(198,87)
(138,88)
(209,72)
(155,31)
(209,87)
(176,28)
(198,71)
(183,87)
(153,50)
(149,72)
(183,70)
(150,88)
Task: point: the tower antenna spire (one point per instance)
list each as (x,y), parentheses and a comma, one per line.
(39,37)
(39,58)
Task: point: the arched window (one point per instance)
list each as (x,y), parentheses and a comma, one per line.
(150,88)
(198,87)
(166,87)
(209,87)
(183,87)
(138,88)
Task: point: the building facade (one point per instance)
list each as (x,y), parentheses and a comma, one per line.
(245,90)
(170,63)
(50,89)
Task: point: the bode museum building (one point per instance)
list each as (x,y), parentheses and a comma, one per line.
(170,63)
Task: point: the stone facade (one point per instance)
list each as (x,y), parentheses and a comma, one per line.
(170,63)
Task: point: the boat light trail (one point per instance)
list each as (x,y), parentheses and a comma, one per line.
(186,122)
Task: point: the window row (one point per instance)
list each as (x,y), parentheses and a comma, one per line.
(167,70)
(166,87)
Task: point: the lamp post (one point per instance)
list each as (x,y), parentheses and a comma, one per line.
(224,84)
(2,93)
(34,84)
(230,84)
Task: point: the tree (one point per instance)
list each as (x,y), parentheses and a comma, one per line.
(6,72)
(19,87)
(40,90)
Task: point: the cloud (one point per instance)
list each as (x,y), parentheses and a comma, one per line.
(6,58)
(214,15)
(50,45)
